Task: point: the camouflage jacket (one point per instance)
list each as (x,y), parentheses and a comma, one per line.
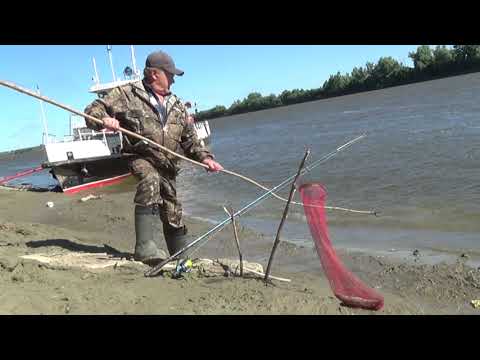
(130,105)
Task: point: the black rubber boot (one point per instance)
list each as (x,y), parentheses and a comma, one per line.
(148,227)
(176,238)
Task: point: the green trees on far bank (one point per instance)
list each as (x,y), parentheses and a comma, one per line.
(387,72)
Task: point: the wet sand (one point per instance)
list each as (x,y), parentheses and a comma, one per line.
(27,226)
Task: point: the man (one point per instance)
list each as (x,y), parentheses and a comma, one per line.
(190,118)
(148,108)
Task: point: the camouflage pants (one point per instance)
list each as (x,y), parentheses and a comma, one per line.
(156,188)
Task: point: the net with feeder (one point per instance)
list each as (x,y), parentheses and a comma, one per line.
(346,286)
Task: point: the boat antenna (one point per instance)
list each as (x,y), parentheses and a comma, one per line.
(109,50)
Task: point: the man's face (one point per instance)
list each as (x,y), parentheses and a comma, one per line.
(165,79)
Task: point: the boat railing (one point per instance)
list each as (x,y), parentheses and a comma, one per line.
(48,138)
(203,128)
(85,133)
(99,88)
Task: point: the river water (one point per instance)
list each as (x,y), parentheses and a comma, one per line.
(418,166)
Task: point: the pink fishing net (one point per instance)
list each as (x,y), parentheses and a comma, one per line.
(346,286)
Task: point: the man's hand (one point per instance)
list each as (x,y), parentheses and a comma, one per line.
(212,165)
(111,124)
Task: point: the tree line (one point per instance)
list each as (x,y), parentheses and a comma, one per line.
(428,64)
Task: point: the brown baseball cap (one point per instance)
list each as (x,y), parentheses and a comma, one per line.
(161,60)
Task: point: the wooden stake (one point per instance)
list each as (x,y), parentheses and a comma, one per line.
(240,256)
(285,212)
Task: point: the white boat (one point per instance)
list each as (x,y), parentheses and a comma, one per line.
(86,158)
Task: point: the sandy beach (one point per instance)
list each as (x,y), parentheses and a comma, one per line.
(104,227)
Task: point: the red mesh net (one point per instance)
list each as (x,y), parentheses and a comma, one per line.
(347,287)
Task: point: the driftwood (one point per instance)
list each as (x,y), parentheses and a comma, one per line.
(104,261)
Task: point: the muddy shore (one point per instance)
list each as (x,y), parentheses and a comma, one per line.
(28,226)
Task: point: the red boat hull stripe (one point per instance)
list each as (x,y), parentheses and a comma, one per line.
(94,184)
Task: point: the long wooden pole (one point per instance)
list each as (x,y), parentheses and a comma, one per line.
(285,212)
(153,143)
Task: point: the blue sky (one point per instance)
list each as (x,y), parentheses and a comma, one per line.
(214,75)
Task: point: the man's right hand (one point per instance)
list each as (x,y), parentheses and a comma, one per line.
(110,123)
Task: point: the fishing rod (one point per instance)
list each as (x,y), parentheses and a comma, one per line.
(203,239)
(153,143)
(6,179)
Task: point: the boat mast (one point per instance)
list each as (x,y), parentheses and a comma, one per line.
(134,62)
(109,50)
(44,120)
(96,79)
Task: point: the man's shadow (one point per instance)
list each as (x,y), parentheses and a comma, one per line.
(73,246)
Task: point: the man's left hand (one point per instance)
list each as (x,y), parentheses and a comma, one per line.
(212,165)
